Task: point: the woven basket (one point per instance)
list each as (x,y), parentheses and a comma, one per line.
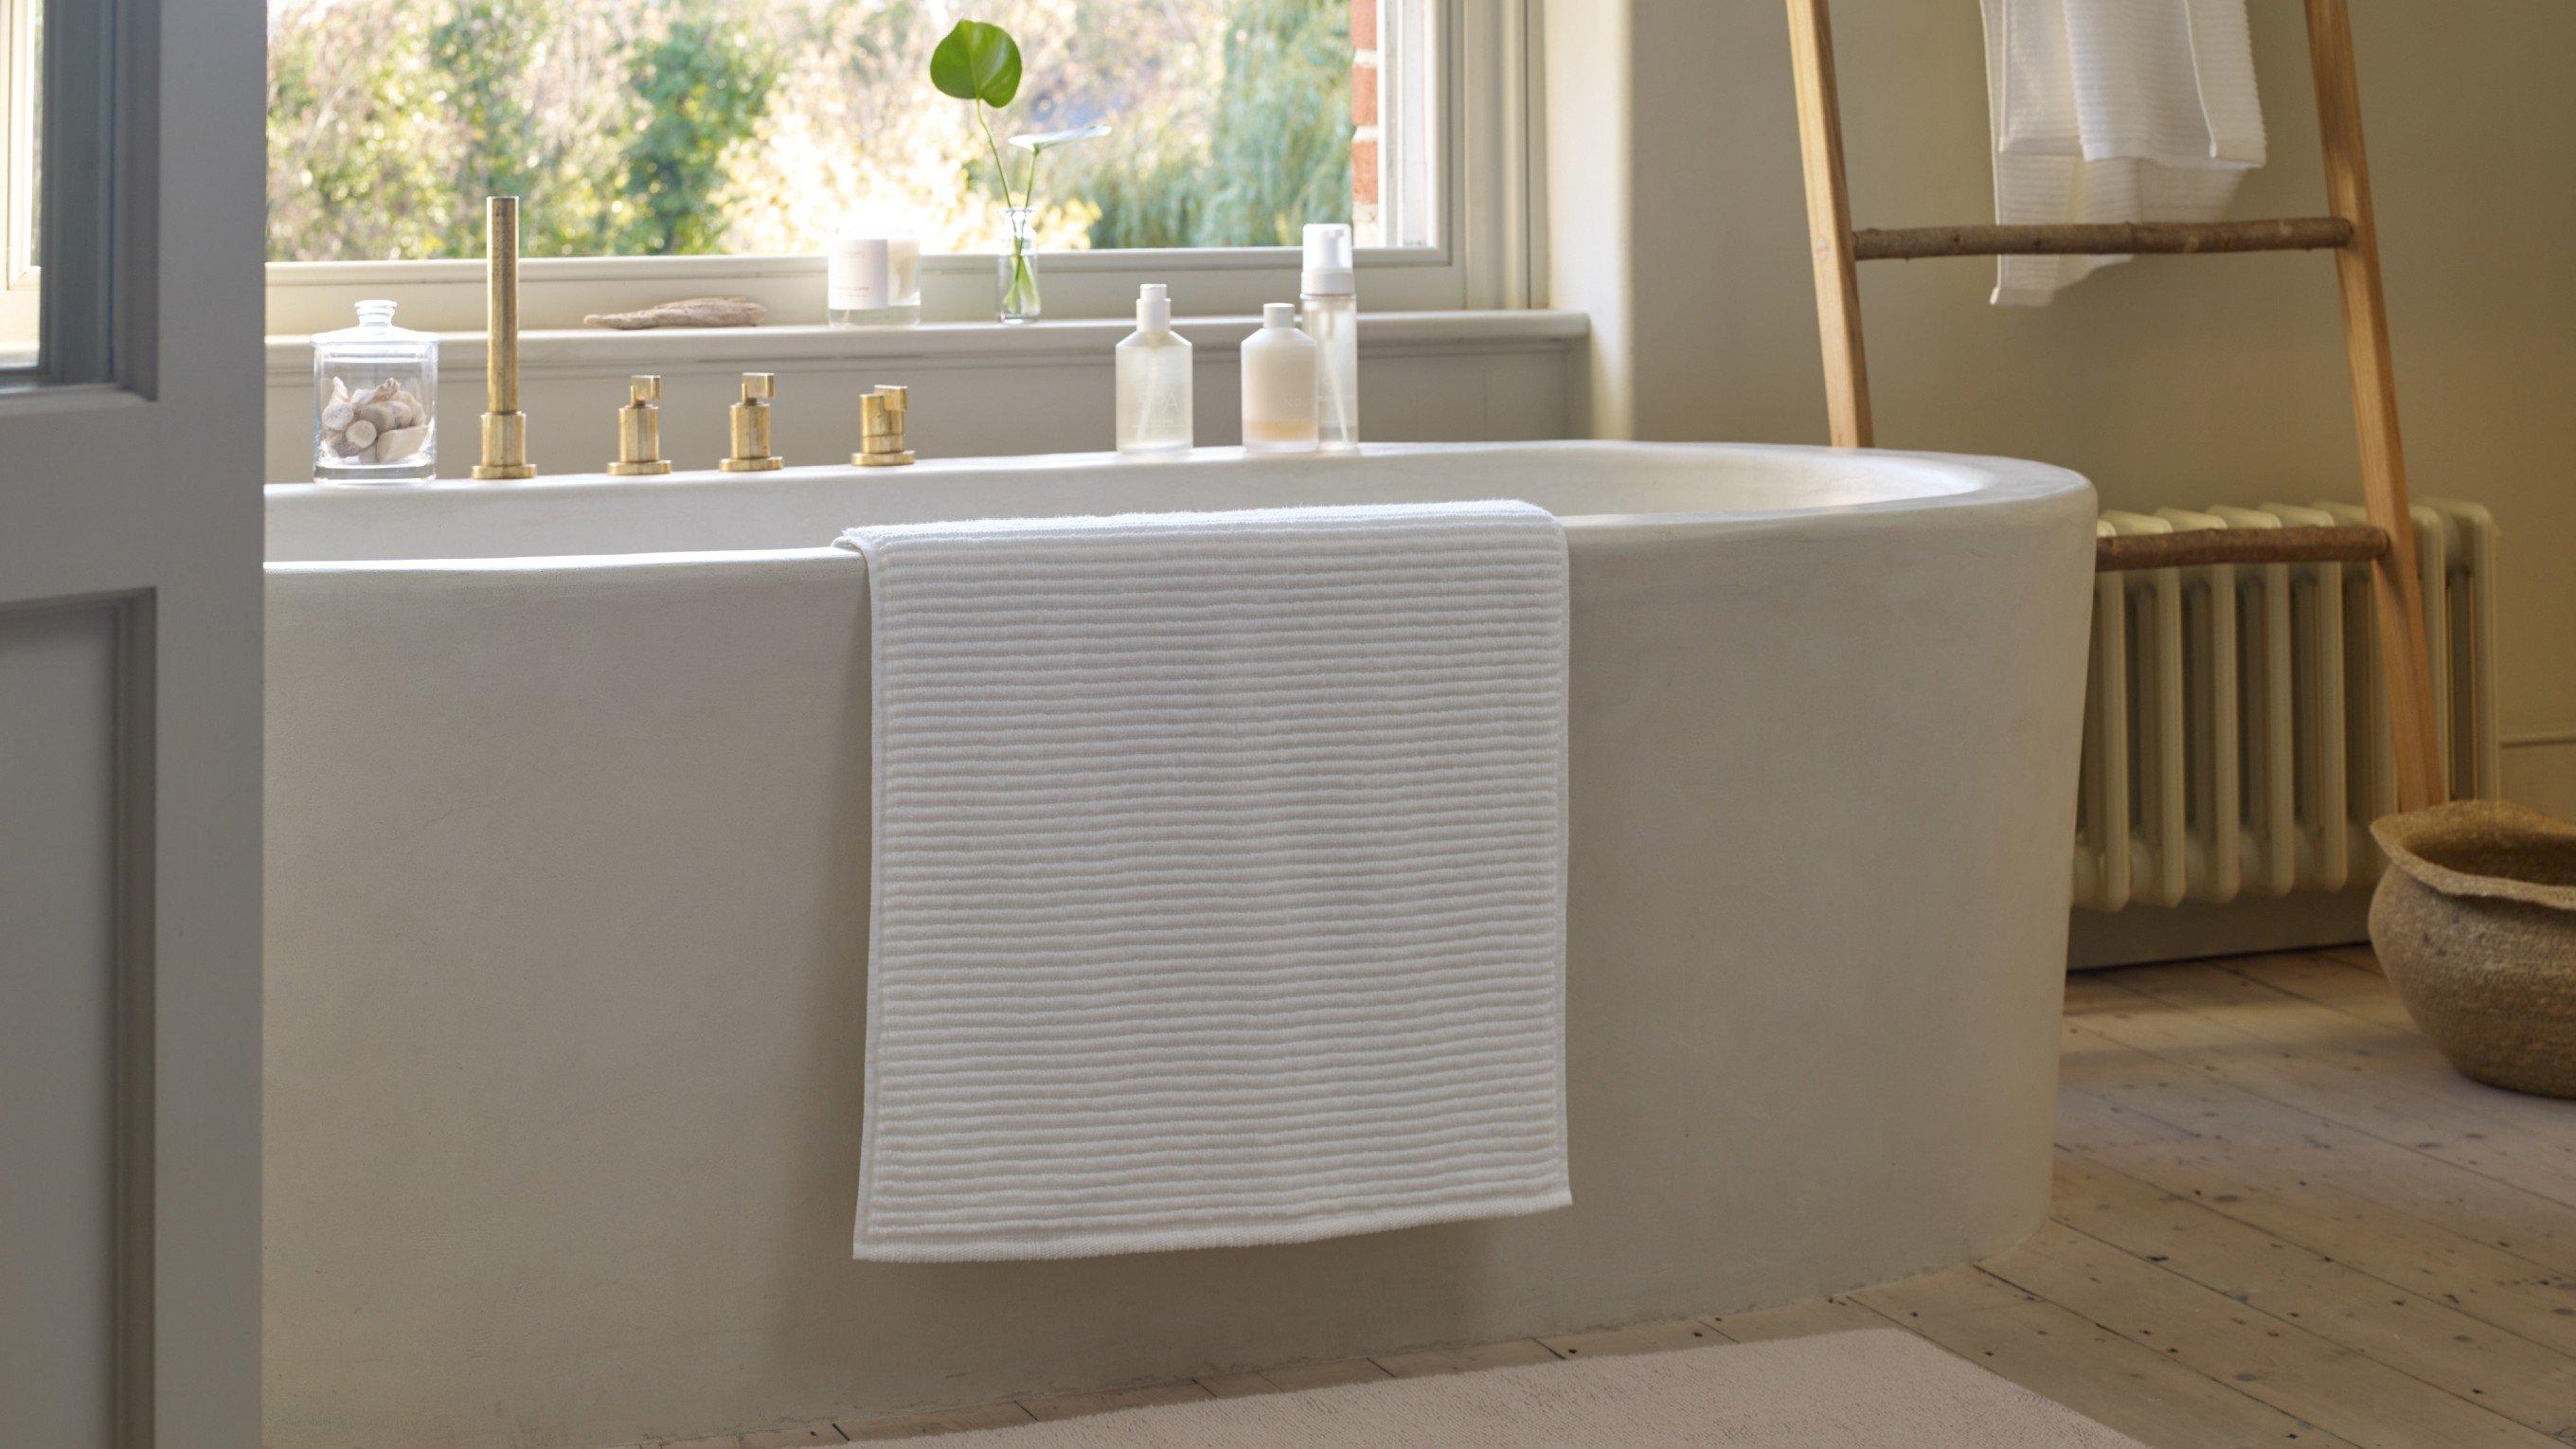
(2475,922)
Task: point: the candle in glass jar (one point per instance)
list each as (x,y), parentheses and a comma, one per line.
(873,278)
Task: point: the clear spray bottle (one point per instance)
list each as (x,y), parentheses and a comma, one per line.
(1331,305)
(1154,408)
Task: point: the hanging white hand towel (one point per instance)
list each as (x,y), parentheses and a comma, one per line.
(2115,110)
(1219,878)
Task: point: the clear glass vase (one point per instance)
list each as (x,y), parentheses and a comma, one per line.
(1016,278)
(375,400)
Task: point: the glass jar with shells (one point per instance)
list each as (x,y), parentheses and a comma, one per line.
(375,395)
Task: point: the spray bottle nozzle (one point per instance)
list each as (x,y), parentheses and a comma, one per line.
(1154,307)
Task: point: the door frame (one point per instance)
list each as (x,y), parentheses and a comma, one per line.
(133,488)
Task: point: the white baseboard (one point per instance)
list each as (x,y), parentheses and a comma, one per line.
(2141,934)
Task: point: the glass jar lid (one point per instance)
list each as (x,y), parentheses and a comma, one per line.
(375,329)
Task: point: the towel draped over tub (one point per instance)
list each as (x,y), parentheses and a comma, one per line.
(1219,878)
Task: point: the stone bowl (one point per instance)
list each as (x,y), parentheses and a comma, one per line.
(2475,923)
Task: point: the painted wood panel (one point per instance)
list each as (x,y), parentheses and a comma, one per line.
(59,1000)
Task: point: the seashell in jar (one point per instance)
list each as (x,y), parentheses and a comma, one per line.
(361,435)
(339,390)
(385,390)
(338,414)
(381,414)
(399,443)
(405,410)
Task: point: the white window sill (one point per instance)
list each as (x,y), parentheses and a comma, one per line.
(775,348)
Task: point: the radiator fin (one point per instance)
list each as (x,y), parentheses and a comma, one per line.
(2236,738)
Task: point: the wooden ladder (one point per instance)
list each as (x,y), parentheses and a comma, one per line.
(2387,542)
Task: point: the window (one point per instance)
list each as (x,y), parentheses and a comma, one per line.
(74,319)
(21,65)
(670,146)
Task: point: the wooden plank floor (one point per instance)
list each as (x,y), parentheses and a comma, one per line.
(2279,1219)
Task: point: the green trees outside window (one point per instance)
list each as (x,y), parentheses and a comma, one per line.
(665,127)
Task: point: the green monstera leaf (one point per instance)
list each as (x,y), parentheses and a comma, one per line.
(977,62)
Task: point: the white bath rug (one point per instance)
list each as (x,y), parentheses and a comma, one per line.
(1878,1388)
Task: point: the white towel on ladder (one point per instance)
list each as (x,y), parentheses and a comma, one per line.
(1219,878)
(2115,110)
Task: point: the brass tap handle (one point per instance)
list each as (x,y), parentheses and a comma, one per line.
(639,431)
(751,426)
(505,428)
(881,442)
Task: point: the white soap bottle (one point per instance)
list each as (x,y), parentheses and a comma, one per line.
(1332,314)
(1153,381)
(1279,385)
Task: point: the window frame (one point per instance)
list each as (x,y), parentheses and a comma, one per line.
(1475,64)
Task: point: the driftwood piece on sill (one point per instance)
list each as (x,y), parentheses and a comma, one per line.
(2196,547)
(687,312)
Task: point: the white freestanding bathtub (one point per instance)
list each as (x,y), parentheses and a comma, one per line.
(567,912)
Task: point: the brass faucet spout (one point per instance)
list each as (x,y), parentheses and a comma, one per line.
(505,428)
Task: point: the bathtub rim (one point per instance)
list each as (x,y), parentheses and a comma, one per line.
(1975,482)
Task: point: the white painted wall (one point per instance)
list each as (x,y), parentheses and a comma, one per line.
(1677,221)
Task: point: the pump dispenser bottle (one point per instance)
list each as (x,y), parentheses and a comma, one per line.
(1278,385)
(1332,314)
(1153,381)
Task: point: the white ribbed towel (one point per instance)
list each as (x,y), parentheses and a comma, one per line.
(1219,882)
(2115,110)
